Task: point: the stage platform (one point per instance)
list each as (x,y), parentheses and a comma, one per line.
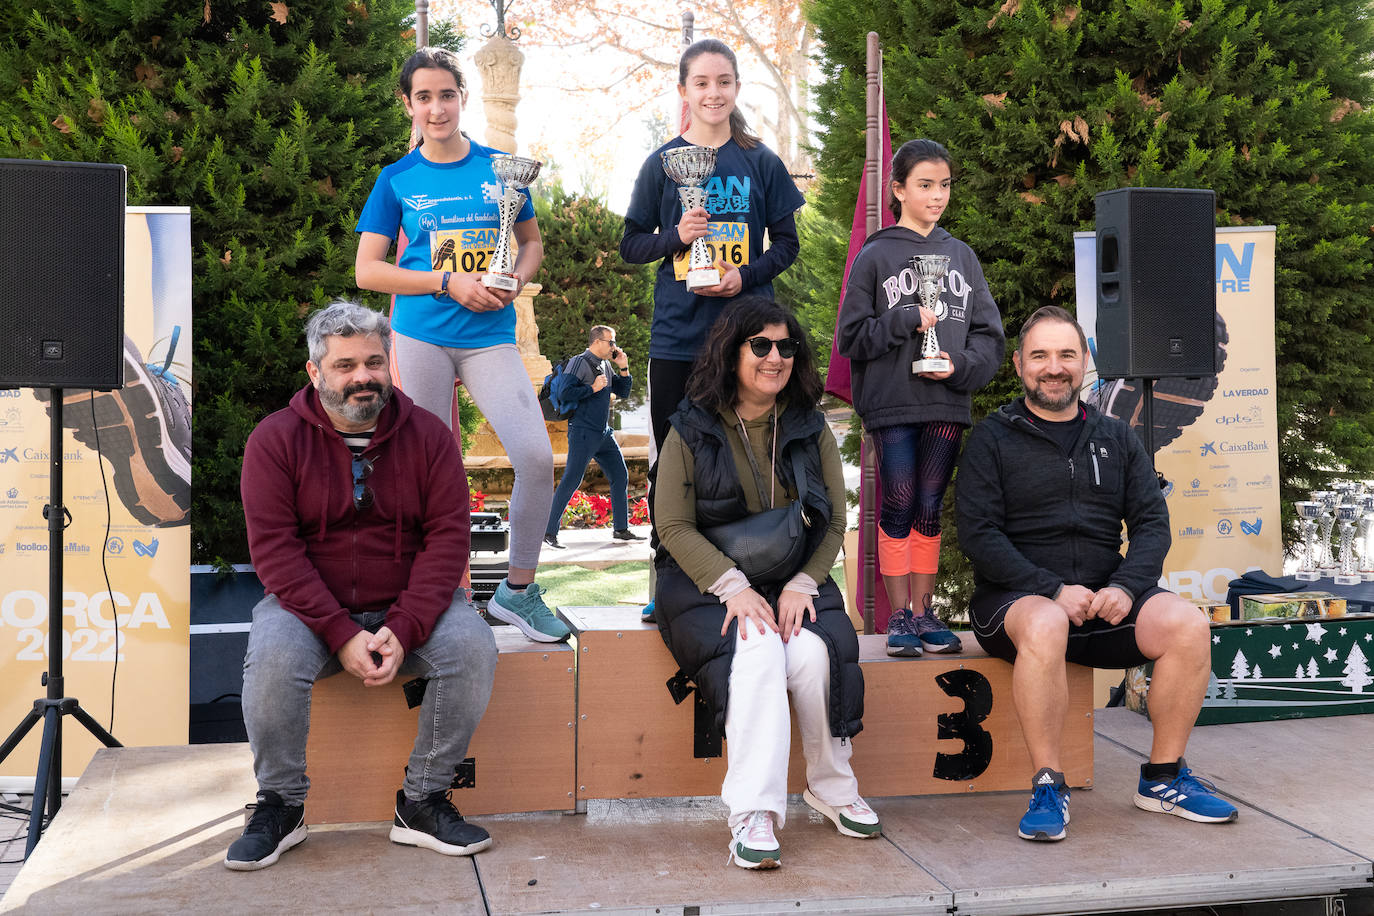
(146,829)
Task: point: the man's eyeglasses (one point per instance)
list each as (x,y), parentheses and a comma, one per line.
(761,346)
(362,493)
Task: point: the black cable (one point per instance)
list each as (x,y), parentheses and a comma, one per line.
(104,559)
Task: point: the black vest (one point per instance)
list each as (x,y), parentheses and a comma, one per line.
(719,493)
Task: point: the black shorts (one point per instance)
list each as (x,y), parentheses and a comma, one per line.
(1096,644)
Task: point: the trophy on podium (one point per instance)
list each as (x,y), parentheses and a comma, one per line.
(1309,511)
(1366,548)
(516,173)
(930,274)
(1326,557)
(1348,564)
(690,166)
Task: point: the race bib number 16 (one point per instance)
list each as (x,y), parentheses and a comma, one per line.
(728,242)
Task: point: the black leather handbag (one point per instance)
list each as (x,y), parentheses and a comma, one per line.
(769,547)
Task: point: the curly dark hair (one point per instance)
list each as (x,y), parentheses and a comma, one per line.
(714,382)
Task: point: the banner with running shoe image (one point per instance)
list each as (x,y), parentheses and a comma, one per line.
(1216,438)
(141,621)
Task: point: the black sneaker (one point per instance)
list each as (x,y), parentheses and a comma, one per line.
(435,824)
(272,829)
(552,541)
(625,534)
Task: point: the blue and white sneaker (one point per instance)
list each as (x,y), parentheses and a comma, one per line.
(1185,796)
(1047,816)
(935,636)
(647,615)
(527,611)
(902,639)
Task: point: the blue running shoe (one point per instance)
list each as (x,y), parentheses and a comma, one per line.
(935,636)
(1186,796)
(1047,816)
(527,611)
(902,639)
(647,615)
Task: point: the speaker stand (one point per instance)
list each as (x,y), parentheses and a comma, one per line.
(47,786)
(1148,415)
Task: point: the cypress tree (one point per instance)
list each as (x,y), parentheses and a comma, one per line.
(270,121)
(1044,103)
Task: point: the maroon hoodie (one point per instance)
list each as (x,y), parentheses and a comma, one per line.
(322,558)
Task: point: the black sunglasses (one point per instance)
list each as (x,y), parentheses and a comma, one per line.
(787,346)
(362,493)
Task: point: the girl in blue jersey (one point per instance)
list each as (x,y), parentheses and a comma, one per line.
(917,421)
(449,326)
(750,193)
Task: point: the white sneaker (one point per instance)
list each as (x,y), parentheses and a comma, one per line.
(855,819)
(753,845)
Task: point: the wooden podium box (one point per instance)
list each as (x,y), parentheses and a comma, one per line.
(932,725)
(521,754)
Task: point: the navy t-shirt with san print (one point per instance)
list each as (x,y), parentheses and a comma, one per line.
(449,215)
(750,192)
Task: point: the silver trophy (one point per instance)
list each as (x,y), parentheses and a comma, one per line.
(1309,511)
(1366,527)
(1348,564)
(516,173)
(1326,557)
(931,270)
(690,166)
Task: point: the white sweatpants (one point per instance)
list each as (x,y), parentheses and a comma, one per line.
(758,730)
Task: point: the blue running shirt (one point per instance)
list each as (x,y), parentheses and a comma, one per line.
(448,213)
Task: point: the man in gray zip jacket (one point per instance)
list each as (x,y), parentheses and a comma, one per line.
(1044,486)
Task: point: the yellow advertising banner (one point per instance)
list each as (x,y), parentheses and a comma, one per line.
(125,644)
(1216,439)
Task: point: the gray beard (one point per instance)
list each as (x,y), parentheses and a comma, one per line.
(338,402)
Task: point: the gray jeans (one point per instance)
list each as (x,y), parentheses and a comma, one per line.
(285,658)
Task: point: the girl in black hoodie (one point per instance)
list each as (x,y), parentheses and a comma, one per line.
(916,419)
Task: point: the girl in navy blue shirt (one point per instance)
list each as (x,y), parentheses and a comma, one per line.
(749,195)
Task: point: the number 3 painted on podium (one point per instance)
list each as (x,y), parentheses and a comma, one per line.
(976,692)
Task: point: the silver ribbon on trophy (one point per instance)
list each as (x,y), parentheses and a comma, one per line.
(690,167)
(931,270)
(516,173)
(1309,511)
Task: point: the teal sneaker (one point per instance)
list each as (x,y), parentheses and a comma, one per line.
(527,611)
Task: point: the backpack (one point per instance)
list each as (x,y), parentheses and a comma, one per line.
(554,389)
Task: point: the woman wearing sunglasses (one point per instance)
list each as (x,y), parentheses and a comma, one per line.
(751,513)
(916,419)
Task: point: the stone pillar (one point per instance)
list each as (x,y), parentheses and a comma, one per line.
(499,62)
(527,335)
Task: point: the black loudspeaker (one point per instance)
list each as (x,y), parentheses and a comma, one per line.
(62,275)
(1156,283)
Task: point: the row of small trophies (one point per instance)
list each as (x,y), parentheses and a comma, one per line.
(1352,560)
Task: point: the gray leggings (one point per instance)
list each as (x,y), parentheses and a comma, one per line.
(498,384)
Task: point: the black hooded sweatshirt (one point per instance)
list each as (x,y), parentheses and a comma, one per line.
(877,332)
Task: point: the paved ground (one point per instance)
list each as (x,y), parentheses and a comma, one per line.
(13,831)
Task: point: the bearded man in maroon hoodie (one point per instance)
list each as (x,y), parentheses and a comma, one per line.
(357,510)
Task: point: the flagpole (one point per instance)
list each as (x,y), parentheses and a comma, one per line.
(868,472)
